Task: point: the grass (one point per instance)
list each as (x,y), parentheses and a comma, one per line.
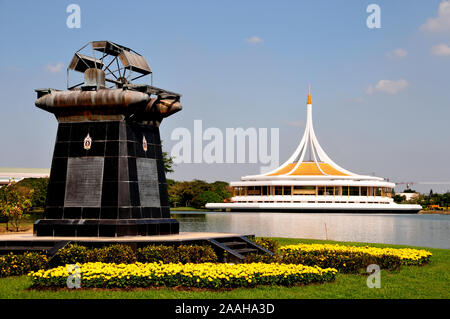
(24,226)
(412,282)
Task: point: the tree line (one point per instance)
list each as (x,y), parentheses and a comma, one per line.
(197,193)
(427,201)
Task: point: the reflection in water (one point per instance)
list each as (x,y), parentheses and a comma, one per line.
(416,230)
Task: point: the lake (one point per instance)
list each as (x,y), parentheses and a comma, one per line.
(402,229)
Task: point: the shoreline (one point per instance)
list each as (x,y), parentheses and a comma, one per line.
(192,209)
(434,212)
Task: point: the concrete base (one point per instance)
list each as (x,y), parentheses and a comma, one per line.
(184,236)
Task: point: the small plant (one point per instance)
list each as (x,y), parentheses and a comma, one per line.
(196,254)
(183,254)
(109,254)
(118,254)
(157,253)
(72,254)
(123,254)
(267,243)
(16,265)
(351,259)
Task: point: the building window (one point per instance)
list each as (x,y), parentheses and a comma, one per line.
(320,190)
(363,191)
(278,190)
(253,190)
(304,190)
(354,190)
(344,190)
(287,190)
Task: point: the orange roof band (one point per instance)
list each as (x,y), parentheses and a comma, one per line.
(309,100)
(309,169)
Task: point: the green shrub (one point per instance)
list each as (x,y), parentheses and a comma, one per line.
(72,254)
(182,253)
(16,265)
(157,253)
(123,254)
(267,243)
(118,254)
(109,254)
(196,254)
(261,258)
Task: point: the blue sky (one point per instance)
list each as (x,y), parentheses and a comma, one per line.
(381,98)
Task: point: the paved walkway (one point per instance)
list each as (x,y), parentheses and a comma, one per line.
(179,237)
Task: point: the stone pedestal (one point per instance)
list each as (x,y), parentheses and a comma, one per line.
(107,179)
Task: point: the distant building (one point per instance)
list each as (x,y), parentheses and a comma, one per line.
(17,174)
(408,196)
(309,181)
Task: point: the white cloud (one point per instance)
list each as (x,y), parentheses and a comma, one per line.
(441,49)
(54,68)
(254,40)
(442,21)
(388,86)
(397,54)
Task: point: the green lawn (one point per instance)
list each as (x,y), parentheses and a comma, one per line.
(429,281)
(24,225)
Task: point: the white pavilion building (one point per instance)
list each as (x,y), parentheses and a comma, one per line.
(309,181)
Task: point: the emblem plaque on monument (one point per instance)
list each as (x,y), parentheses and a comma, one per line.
(107,175)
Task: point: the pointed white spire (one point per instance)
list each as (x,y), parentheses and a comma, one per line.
(293,168)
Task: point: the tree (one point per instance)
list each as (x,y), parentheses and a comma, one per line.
(183,194)
(15,202)
(399,198)
(39,186)
(200,200)
(175,191)
(168,163)
(222,188)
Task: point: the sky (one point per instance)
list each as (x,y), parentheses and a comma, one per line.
(381,96)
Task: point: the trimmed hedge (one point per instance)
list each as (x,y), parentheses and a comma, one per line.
(73,254)
(182,254)
(267,243)
(123,254)
(16,265)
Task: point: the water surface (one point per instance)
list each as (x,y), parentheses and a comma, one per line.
(401,229)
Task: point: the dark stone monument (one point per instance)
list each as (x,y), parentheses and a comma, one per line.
(107,176)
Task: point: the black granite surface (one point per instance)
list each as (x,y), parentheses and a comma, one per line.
(115,188)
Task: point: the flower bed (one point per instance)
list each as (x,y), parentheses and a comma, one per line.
(352,258)
(16,265)
(125,254)
(207,275)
